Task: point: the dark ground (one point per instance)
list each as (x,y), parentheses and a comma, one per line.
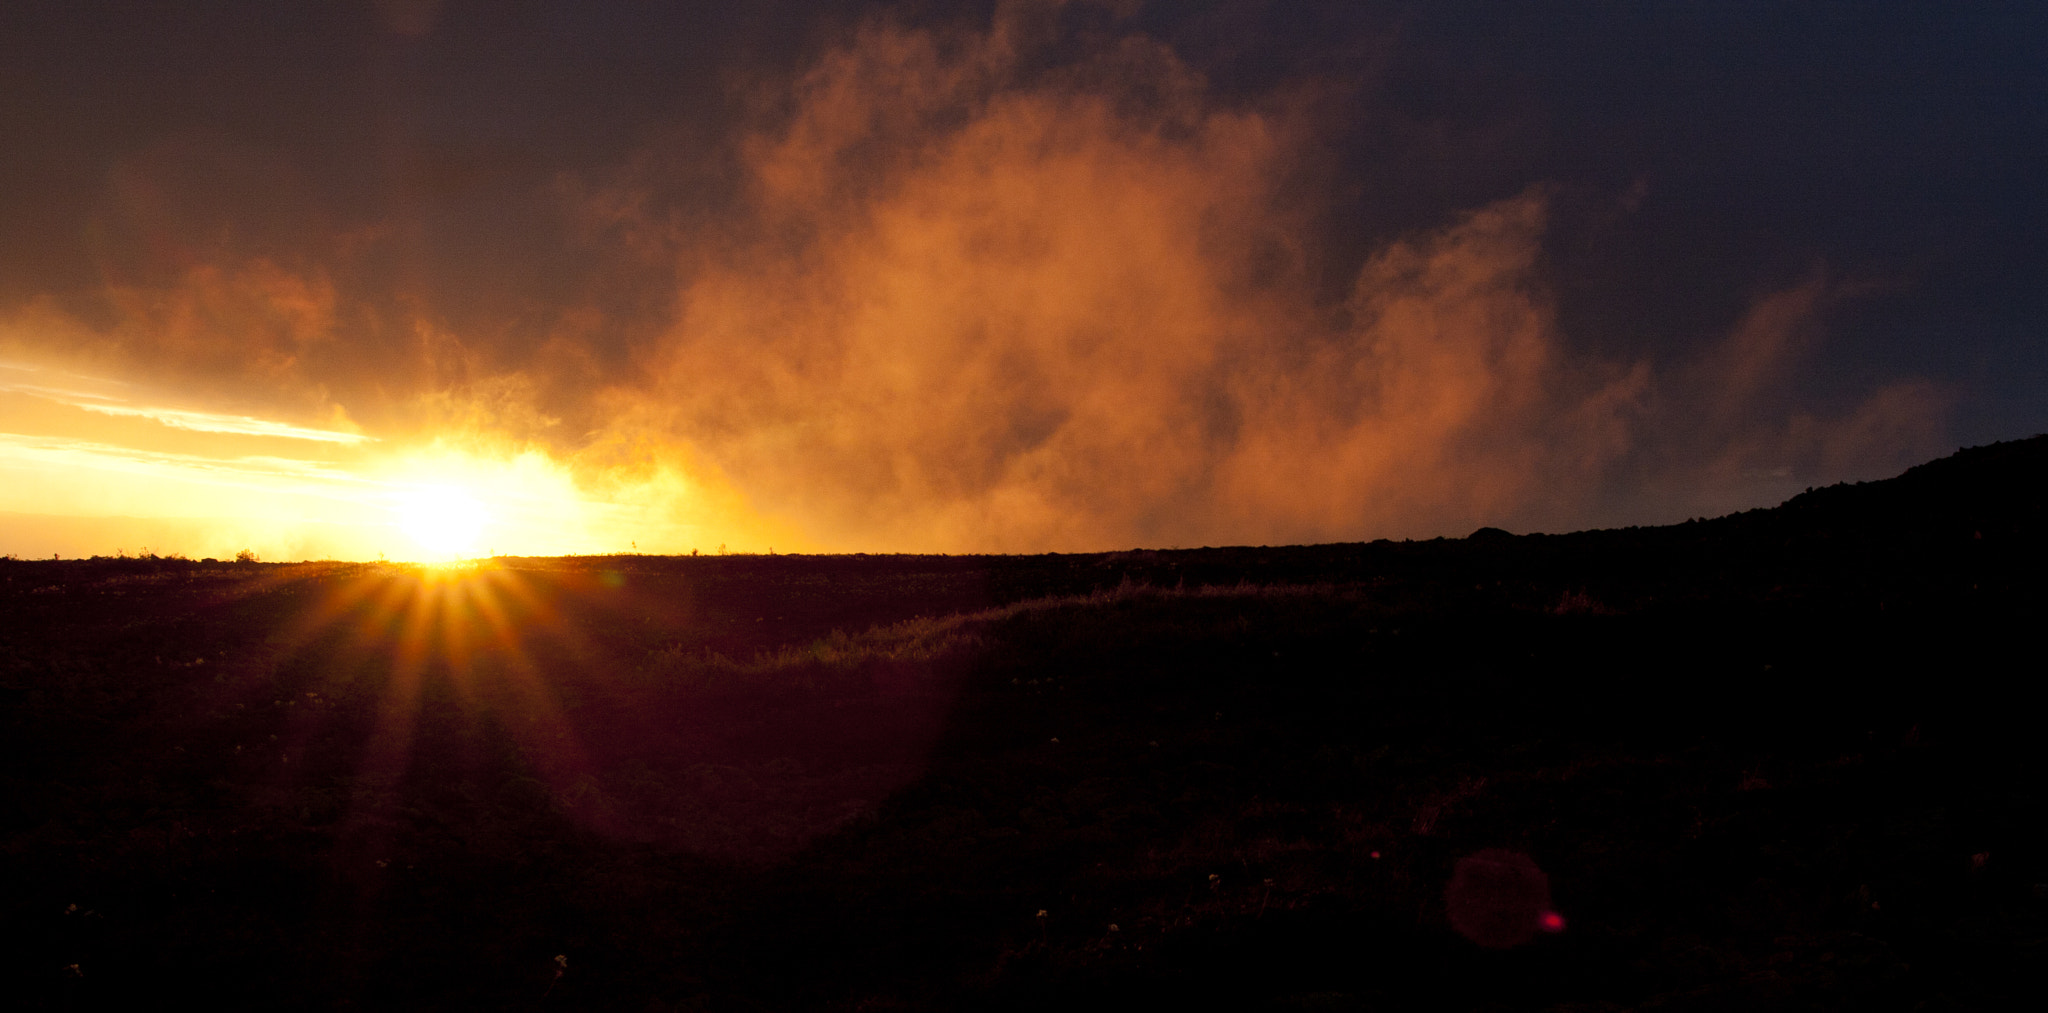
(1787,759)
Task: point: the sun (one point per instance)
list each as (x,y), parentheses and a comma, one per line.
(446,521)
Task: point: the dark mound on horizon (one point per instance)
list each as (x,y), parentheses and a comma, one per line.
(1766,761)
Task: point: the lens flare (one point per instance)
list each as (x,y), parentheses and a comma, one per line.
(1500,899)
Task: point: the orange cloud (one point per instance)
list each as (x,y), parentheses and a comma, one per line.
(984,307)
(985,312)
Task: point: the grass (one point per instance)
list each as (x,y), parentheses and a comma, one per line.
(878,817)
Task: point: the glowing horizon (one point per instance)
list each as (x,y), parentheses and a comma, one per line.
(343,496)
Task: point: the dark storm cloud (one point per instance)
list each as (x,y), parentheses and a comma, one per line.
(1538,264)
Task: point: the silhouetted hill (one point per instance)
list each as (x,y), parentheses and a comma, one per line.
(1997,491)
(1966,527)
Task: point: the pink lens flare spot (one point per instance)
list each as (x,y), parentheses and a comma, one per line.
(1375,854)
(1550,921)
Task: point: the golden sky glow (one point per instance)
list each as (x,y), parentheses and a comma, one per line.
(949,285)
(79,449)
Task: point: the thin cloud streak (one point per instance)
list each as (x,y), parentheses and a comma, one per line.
(212,422)
(182,418)
(272,474)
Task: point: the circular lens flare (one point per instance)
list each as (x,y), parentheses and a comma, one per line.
(1500,899)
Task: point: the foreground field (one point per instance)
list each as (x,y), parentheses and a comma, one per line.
(1767,761)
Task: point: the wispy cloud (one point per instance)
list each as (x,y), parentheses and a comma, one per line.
(181,418)
(272,474)
(215,422)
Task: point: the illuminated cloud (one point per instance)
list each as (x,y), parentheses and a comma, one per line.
(213,422)
(980,307)
(197,421)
